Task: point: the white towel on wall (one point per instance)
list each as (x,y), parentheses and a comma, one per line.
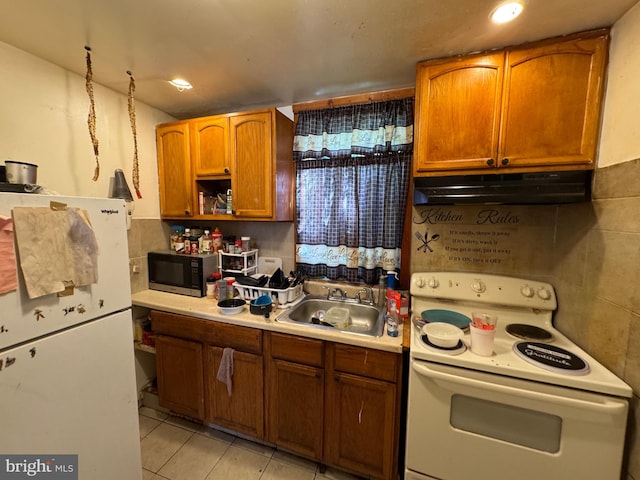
(225,371)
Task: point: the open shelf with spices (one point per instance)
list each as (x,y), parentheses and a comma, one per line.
(245,263)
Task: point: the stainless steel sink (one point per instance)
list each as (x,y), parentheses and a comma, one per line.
(365,319)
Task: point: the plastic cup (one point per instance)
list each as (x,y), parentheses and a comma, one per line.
(485,321)
(482,340)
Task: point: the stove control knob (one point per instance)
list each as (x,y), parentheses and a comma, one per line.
(527,291)
(433,282)
(420,282)
(544,294)
(478,286)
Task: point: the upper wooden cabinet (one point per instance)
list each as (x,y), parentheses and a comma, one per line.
(523,108)
(174,169)
(210,146)
(250,152)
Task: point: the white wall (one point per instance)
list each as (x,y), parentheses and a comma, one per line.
(43,120)
(620,135)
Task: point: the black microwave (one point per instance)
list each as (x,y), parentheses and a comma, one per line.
(179,273)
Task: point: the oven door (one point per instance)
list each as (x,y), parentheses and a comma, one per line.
(464,424)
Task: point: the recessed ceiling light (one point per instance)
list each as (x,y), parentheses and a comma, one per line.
(180,84)
(507,12)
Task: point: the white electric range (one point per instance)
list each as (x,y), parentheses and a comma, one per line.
(538,407)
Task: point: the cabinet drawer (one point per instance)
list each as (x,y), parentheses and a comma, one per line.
(180,326)
(366,362)
(235,336)
(297,349)
(208,331)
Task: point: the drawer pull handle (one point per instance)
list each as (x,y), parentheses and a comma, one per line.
(360,413)
(366,354)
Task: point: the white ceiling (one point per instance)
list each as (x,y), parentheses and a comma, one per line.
(244,54)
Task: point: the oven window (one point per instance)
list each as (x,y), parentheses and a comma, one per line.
(516,425)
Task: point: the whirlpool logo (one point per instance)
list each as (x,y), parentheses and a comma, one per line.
(50,467)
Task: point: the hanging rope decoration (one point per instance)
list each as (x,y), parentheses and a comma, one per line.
(132,120)
(92,113)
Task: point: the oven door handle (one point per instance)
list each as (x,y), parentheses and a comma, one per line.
(605,406)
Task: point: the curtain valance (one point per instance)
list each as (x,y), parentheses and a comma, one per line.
(354,130)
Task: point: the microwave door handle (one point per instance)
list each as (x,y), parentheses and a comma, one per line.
(607,406)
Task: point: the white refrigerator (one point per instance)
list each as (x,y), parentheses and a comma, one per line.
(67,375)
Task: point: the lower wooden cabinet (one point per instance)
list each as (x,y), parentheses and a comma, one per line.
(296,399)
(243,410)
(360,425)
(295,393)
(179,373)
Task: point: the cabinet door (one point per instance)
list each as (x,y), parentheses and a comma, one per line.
(551,105)
(180,377)
(360,428)
(252,165)
(210,146)
(242,411)
(458,113)
(174,170)
(296,407)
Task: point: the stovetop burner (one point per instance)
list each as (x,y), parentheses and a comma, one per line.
(529,332)
(455,350)
(551,357)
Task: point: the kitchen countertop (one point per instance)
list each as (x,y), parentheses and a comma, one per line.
(207,309)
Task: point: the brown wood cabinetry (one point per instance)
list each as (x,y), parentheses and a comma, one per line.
(363,410)
(334,403)
(295,398)
(174,170)
(179,372)
(525,108)
(210,146)
(250,152)
(189,354)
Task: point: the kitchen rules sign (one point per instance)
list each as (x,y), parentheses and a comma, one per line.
(480,238)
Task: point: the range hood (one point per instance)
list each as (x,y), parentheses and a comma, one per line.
(511,189)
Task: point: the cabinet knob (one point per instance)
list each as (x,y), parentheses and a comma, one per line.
(505,161)
(490,162)
(187,212)
(226,170)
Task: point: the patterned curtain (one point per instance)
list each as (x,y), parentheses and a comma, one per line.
(353,170)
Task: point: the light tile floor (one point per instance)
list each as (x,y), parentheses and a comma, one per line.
(176,449)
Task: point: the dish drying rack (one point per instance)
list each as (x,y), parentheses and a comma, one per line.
(285,297)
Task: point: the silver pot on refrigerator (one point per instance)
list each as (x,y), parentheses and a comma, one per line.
(21,172)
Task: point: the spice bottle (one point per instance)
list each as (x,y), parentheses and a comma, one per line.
(217,240)
(175,233)
(195,244)
(179,245)
(230,288)
(187,241)
(207,242)
(211,287)
(245,243)
(229,203)
(216,277)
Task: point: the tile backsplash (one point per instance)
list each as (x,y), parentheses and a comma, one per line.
(273,239)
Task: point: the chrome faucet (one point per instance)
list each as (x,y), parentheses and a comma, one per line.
(368,291)
(334,291)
